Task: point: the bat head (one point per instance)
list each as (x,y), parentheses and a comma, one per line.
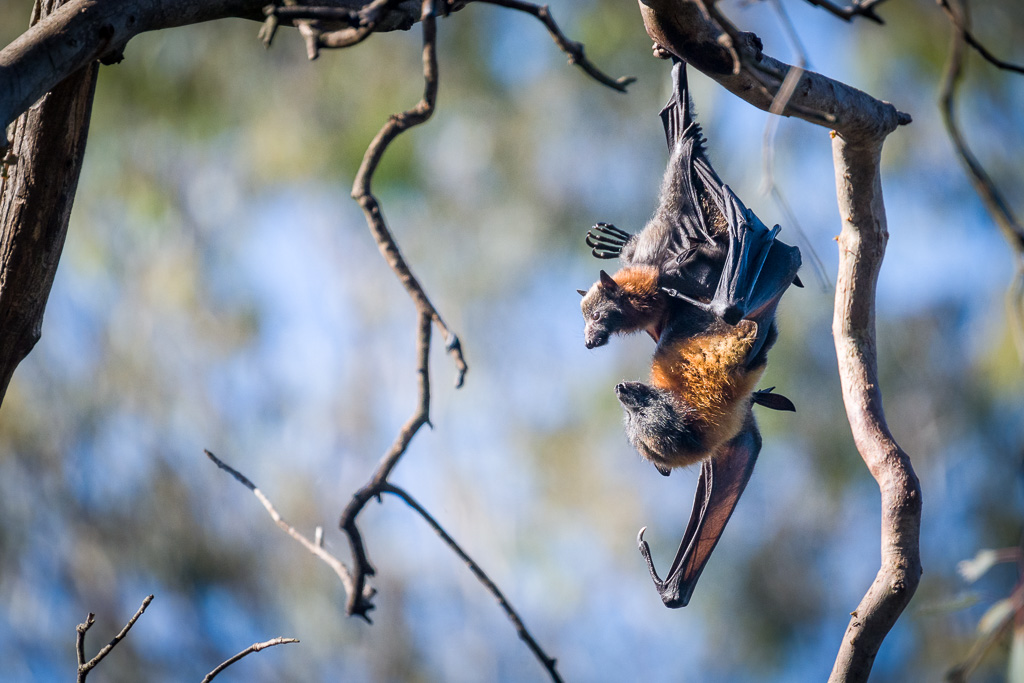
(604,309)
(659,426)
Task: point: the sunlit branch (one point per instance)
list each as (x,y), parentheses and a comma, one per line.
(316,548)
(255,647)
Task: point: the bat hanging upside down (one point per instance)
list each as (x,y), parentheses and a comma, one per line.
(703,278)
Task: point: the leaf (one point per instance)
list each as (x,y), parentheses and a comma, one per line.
(974,569)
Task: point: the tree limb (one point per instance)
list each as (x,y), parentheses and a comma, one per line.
(684,28)
(861,249)
(38,179)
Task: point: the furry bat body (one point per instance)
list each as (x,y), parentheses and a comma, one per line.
(703,278)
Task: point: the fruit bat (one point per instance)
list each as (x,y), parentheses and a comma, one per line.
(703,278)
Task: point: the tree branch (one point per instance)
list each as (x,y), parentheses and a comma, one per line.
(314,547)
(85,667)
(549,663)
(861,249)
(687,29)
(83,31)
(38,179)
(859,8)
(255,647)
(570,47)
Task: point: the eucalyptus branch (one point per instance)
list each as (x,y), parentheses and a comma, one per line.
(859,8)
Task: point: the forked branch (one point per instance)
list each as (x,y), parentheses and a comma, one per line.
(84,667)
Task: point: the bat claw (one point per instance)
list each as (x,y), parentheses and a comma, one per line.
(645,550)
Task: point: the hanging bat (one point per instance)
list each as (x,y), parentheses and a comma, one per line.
(703,278)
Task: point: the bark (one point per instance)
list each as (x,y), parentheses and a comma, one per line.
(35,205)
(83,31)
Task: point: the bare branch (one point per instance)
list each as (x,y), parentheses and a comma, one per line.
(569,47)
(993,200)
(549,663)
(83,31)
(961,21)
(865,8)
(861,248)
(317,549)
(361,563)
(255,647)
(685,28)
(85,667)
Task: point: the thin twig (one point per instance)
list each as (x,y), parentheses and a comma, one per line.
(864,9)
(255,647)
(362,192)
(961,21)
(362,567)
(569,47)
(549,663)
(334,563)
(993,200)
(85,667)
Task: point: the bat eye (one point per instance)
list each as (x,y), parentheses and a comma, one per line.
(595,316)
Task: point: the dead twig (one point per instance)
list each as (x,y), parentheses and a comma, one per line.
(569,47)
(255,647)
(959,17)
(84,667)
(860,8)
(316,548)
(549,663)
(362,568)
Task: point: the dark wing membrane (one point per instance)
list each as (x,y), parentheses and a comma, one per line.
(680,195)
(722,481)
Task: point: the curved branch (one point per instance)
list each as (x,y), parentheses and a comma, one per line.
(255,647)
(549,663)
(687,29)
(859,8)
(861,248)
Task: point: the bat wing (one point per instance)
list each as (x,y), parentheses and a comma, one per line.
(721,483)
(755,272)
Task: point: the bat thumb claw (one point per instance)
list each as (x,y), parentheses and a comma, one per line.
(640,537)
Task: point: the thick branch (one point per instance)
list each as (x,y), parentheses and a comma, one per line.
(861,248)
(686,28)
(37,190)
(83,31)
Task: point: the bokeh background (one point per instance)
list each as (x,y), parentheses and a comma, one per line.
(220,290)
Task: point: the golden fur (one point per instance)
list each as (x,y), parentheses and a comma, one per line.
(708,372)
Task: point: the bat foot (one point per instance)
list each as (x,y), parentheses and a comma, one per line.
(607,241)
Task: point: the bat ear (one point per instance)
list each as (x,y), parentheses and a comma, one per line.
(607,282)
(582,292)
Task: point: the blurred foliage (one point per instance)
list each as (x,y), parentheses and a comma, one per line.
(218,289)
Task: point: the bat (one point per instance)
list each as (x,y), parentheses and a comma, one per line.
(704,279)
